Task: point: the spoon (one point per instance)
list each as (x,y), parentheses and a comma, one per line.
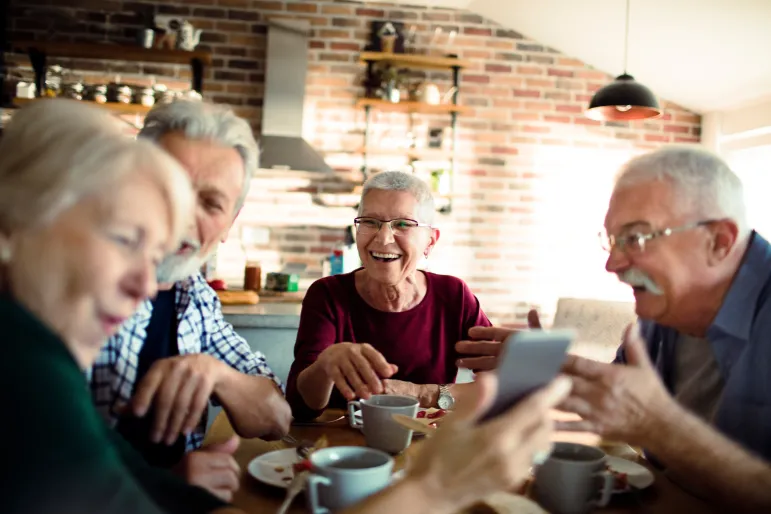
(412,424)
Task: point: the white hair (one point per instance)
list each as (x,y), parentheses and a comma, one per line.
(56,152)
(201,120)
(401,181)
(703,183)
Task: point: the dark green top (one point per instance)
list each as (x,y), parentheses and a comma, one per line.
(56,452)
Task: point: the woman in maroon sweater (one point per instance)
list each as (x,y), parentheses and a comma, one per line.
(386,327)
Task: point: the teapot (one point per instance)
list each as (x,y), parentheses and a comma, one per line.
(429,93)
(188,37)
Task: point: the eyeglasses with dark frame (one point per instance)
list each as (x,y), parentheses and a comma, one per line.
(635,243)
(399,227)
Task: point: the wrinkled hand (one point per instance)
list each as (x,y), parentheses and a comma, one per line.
(427,394)
(465,461)
(485,345)
(356,369)
(213,468)
(616,401)
(178,388)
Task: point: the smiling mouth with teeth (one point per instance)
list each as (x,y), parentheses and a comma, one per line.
(384,257)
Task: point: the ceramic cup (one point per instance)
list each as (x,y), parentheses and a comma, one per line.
(344,475)
(380,430)
(573,480)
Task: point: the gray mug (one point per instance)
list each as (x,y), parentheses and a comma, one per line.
(573,480)
(380,429)
(342,476)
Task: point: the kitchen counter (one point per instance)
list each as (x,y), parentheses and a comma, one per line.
(263,315)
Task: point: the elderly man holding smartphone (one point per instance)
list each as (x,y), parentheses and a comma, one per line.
(692,386)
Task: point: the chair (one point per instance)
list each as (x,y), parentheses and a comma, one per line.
(599,325)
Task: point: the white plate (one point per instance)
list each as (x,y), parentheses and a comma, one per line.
(636,474)
(275,468)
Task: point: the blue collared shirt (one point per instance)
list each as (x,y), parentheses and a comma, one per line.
(740,337)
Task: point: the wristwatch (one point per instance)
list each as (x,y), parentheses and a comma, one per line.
(446,399)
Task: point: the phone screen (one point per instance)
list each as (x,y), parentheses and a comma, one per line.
(529,361)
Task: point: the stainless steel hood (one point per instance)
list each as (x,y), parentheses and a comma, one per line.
(281,143)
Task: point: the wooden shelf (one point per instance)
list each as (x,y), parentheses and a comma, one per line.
(410,107)
(115,107)
(108,51)
(414,60)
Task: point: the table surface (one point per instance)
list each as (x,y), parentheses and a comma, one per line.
(254,497)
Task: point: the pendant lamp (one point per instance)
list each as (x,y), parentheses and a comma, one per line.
(624,99)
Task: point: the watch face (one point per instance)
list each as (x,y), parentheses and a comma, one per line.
(445,402)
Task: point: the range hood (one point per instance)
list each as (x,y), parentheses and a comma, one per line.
(281,143)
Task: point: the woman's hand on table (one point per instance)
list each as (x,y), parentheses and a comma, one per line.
(466,461)
(356,369)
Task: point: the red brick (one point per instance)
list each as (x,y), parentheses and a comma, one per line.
(587,121)
(531,129)
(655,138)
(497,68)
(334,34)
(476,31)
(355,47)
(676,129)
(526,116)
(477,79)
(569,108)
(530,70)
(502,44)
(504,150)
(302,7)
(554,72)
(569,61)
(269,6)
(539,83)
(344,10)
(527,93)
(375,13)
(592,75)
(557,119)
(317,44)
(538,106)
(687,139)
(476,54)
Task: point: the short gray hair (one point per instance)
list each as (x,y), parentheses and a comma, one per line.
(57,152)
(201,120)
(703,181)
(401,181)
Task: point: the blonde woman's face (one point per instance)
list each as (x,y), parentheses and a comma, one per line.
(84,274)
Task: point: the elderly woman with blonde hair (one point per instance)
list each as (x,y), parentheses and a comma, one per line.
(387,327)
(86,215)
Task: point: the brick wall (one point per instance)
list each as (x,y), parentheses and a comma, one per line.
(534,174)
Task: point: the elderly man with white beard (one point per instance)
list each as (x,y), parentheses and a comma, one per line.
(692,382)
(154,379)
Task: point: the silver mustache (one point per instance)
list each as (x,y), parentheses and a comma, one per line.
(636,278)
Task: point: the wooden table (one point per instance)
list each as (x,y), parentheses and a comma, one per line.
(663,497)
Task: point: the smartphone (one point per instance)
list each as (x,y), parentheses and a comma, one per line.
(529,361)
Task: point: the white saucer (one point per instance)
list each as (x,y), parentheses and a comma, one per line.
(275,468)
(636,474)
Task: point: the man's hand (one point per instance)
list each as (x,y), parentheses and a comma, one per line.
(213,468)
(620,402)
(427,394)
(485,345)
(356,369)
(178,388)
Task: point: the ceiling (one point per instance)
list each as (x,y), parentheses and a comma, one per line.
(706,55)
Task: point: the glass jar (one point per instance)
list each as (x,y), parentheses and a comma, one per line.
(252,276)
(124,95)
(147,97)
(73,91)
(99,94)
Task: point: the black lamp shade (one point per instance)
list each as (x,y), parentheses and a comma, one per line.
(622,100)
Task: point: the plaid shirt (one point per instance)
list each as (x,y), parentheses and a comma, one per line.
(202,329)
